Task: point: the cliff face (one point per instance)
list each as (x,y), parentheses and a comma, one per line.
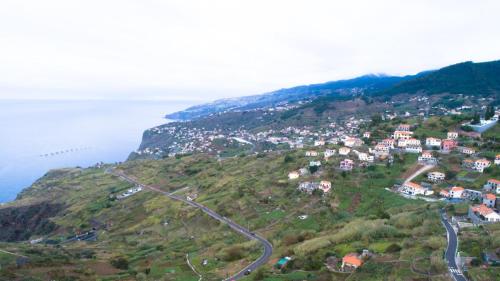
(20,223)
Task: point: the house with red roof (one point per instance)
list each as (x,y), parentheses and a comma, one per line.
(483,214)
(489,200)
(352,261)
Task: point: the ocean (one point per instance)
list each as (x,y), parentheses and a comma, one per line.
(37,136)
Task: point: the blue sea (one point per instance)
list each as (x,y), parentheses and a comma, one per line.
(37,136)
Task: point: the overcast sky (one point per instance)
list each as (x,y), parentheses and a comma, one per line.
(202,50)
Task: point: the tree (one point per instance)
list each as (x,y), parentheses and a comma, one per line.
(490,112)
(376,119)
(476,119)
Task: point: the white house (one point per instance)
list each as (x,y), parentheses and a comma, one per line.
(325,186)
(315,163)
(481,164)
(497,159)
(492,185)
(472,194)
(293,175)
(389,143)
(329,153)
(452,135)
(435,176)
(403,127)
(319,143)
(412,188)
(483,214)
(413,148)
(366,135)
(467,150)
(311,153)
(346,164)
(456,192)
(426,157)
(433,142)
(402,135)
(489,200)
(344,150)
(353,142)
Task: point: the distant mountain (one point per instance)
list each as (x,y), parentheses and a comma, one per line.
(367,83)
(462,78)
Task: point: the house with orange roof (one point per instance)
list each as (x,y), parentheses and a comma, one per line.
(489,200)
(444,193)
(351,260)
(456,192)
(389,142)
(480,214)
(492,185)
(497,159)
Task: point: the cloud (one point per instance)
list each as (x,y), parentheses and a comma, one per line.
(201,50)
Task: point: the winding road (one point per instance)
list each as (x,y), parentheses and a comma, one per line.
(268,247)
(451,250)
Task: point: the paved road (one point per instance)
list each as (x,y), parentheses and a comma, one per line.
(418,172)
(268,248)
(451,250)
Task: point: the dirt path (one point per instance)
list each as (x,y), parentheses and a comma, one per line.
(418,172)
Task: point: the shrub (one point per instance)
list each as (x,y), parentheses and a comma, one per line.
(120,263)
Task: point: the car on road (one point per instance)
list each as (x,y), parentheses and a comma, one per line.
(248,271)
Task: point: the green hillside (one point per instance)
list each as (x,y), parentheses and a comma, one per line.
(462,78)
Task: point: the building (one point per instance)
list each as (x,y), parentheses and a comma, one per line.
(389,143)
(325,186)
(435,176)
(319,143)
(448,145)
(456,192)
(314,163)
(482,214)
(481,164)
(452,135)
(329,153)
(492,185)
(444,193)
(412,188)
(471,194)
(402,135)
(351,260)
(365,157)
(413,149)
(489,200)
(427,158)
(308,187)
(403,127)
(353,142)
(346,164)
(366,135)
(497,159)
(311,153)
(467,150)
(293,175)
(433,142)
(344,150)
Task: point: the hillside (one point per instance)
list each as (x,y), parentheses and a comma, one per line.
(466,78)
(359,85)
(148,236)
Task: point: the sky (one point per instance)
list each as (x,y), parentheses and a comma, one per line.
(205,50)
